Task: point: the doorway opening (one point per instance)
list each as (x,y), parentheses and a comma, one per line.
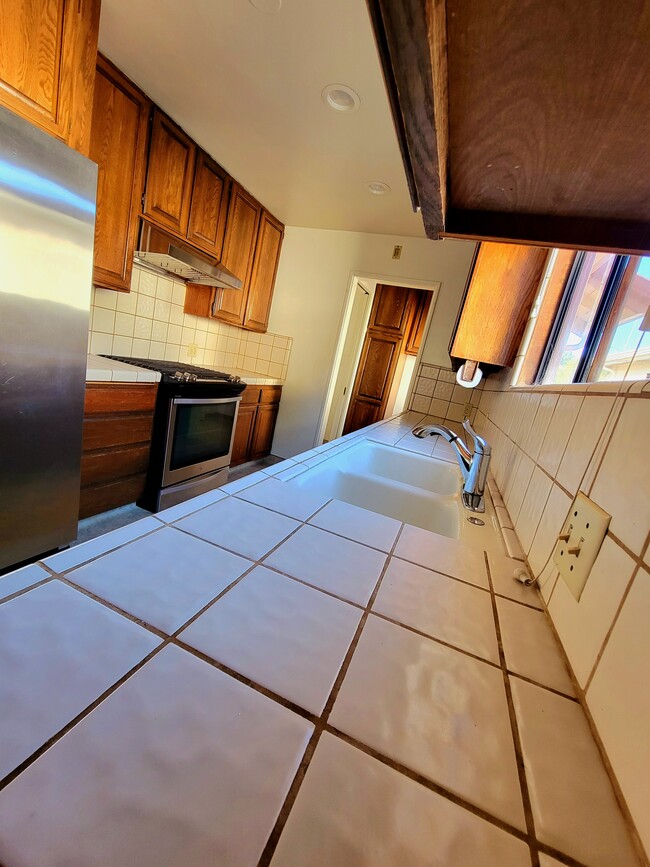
(382,334)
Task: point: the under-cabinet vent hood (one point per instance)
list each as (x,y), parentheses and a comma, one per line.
(164,255)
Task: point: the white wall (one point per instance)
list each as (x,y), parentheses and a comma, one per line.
(313,279)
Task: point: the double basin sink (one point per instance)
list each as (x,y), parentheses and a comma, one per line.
(411,487)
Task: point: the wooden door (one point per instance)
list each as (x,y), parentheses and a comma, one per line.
(118,145)
(267,414)
(170,175)
(47,64)
(238,251)
(265,267)
(209,206)
(243,433)
(389,317)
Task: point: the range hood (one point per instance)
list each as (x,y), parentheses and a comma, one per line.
(163,254)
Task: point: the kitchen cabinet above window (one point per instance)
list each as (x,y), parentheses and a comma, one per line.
(47,65)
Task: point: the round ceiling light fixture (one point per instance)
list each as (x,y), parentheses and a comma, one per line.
(378,188)
(340,97)
(269,7)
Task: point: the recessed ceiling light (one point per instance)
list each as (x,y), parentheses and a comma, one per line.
(378,188)
(269,7)
(340,97)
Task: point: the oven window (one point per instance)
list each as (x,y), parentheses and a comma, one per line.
(202,432)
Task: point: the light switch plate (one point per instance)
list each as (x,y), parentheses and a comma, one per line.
(586,526)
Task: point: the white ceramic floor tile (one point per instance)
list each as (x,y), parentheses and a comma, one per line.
(572,799)
(353,810)
(286,498)
(180,766)
(436,711)
(441,607)
(59,651)
(342,567)
(82,553)
(240,526)
(174,513)
(21,579)
(530,646)
(164,578)
(502,570)
(442,554)
(358,524)
(285,636)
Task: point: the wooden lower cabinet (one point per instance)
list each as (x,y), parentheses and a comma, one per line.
(258,412)
(116,443)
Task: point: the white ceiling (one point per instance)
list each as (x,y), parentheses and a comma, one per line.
(247,87)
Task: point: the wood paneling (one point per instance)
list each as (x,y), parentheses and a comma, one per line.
(238,251)
(525,121)
(116,444)
(170,175)
(499,297)
(118,145)
(209,207)
(47,64)
(255,425)
(265,267)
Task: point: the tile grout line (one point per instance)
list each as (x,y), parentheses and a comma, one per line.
(519,757)
(294,789)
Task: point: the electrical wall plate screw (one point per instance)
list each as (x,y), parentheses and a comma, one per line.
(579,541)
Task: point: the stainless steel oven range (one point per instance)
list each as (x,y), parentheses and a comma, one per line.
(193,429)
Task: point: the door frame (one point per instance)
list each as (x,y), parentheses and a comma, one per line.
(369,278)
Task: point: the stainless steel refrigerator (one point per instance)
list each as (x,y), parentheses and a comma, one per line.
(47,219)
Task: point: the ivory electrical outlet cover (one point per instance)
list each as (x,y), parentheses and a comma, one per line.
(579,542)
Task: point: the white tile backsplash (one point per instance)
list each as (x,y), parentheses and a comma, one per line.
(149,322)
(590,439)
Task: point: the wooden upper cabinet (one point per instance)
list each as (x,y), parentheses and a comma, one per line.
(265,266)
(47,65)
(209,207)
(499,296)
(118,145)
(238,251)
(170,175)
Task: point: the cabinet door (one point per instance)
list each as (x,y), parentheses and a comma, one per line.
(265,266)
(262,440)
(243,433)
(118,145)
(170,174)
(47,64)
(209,205)
(238,250)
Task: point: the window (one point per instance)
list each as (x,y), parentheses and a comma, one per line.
(591,320)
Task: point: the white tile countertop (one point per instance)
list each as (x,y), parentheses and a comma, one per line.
(265,675)
(100,369)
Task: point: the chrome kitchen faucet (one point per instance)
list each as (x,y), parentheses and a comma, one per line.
(474,467)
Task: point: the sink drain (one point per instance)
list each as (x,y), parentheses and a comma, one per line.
(476,521)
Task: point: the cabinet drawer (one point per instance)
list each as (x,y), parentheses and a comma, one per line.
(113,399)
(102,433)
(270,393)
(251,394)
(108,465)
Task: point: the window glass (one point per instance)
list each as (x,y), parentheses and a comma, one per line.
(578,317)
(625,348)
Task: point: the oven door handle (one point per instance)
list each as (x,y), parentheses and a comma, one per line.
(205,400)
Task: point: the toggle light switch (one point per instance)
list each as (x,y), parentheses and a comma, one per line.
(579,542)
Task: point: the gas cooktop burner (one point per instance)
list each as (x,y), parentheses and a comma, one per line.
(174,371)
